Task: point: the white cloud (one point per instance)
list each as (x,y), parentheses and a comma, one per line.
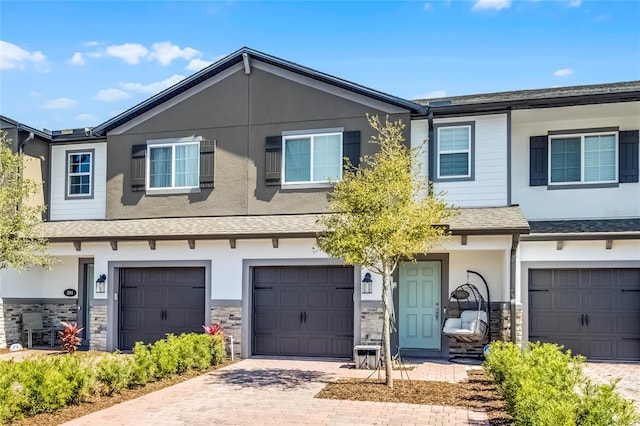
(197,64)
(575,3)
(433,94)
(91,43)
(156,87)
(15,57)
(77,59)
(95,54)
(59,103)
(86,118)
(564,72)
(110,95)
(427,6)
(34,93)
(491,4)
(129,52)
(165,52)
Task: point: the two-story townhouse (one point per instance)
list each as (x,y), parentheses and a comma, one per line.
(205,199)
(568,157)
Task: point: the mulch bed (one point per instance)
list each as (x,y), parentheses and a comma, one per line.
(478,393)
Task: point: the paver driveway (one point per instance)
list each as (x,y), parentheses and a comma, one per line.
(279,391)
(628,373)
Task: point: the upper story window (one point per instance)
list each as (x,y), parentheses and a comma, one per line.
(79,174)
(173,165)
(312,158)
(590,158)
(454,151)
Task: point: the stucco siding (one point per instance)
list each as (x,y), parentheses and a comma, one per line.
(538,202)
(63,208)
(239,112)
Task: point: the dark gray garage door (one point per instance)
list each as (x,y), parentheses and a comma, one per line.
(156,301)
(303,311)
(593,312)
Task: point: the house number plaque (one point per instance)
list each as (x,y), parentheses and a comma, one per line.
(70,292)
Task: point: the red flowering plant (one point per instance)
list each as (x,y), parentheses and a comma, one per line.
(213,329)
(69,336)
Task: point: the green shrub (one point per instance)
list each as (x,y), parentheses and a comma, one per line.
(545,386)
(217,349)
(601,405)
(144,367)
(164,358)
(42,385)
(115,373)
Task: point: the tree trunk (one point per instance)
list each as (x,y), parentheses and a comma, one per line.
(386,332)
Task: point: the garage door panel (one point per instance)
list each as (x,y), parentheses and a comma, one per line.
(342,324)
(265,344)
(318,275)
(309,310)
(566,300)
(600,348)
(318,299)
(318,346)
(629,301)
(289,298)
(163,300)
(289,321)
(628,349)
(264,321)
(598,301)
(599,278)
(289,345)
(341,346)
(628,326)
(587,310)
(264,298)
(342,299)
(629,279)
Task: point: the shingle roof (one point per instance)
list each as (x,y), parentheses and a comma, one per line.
(235,58)
(547,93)
(504,220)
(577,227)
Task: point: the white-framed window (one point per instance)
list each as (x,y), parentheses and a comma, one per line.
(587,158)
(173,163)
(80,174)
(454,154)
(312,158)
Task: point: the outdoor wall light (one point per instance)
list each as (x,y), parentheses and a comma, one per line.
(367,284)
(100,283)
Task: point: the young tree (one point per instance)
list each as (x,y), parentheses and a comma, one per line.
(384,211)
(20,244)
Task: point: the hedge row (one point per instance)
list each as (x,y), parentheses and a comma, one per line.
(46,384)
(545,386)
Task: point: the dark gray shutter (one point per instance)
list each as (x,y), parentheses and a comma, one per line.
(628,156)
(138,165)
(538,160)
(273,161)
(351,147)
(207,163)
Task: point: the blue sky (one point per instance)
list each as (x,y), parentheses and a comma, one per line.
(75,64)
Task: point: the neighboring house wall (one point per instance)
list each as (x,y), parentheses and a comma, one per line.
(65,207)
(238,112)
(487,186)
(541,202)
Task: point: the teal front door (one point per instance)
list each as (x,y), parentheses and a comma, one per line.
(419,305)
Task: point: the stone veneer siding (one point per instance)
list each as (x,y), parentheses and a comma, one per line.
(371,317)
(98,325)
(229,315)
(52,315)
(500,330)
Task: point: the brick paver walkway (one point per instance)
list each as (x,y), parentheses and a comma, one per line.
(628,373)
(281,391)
